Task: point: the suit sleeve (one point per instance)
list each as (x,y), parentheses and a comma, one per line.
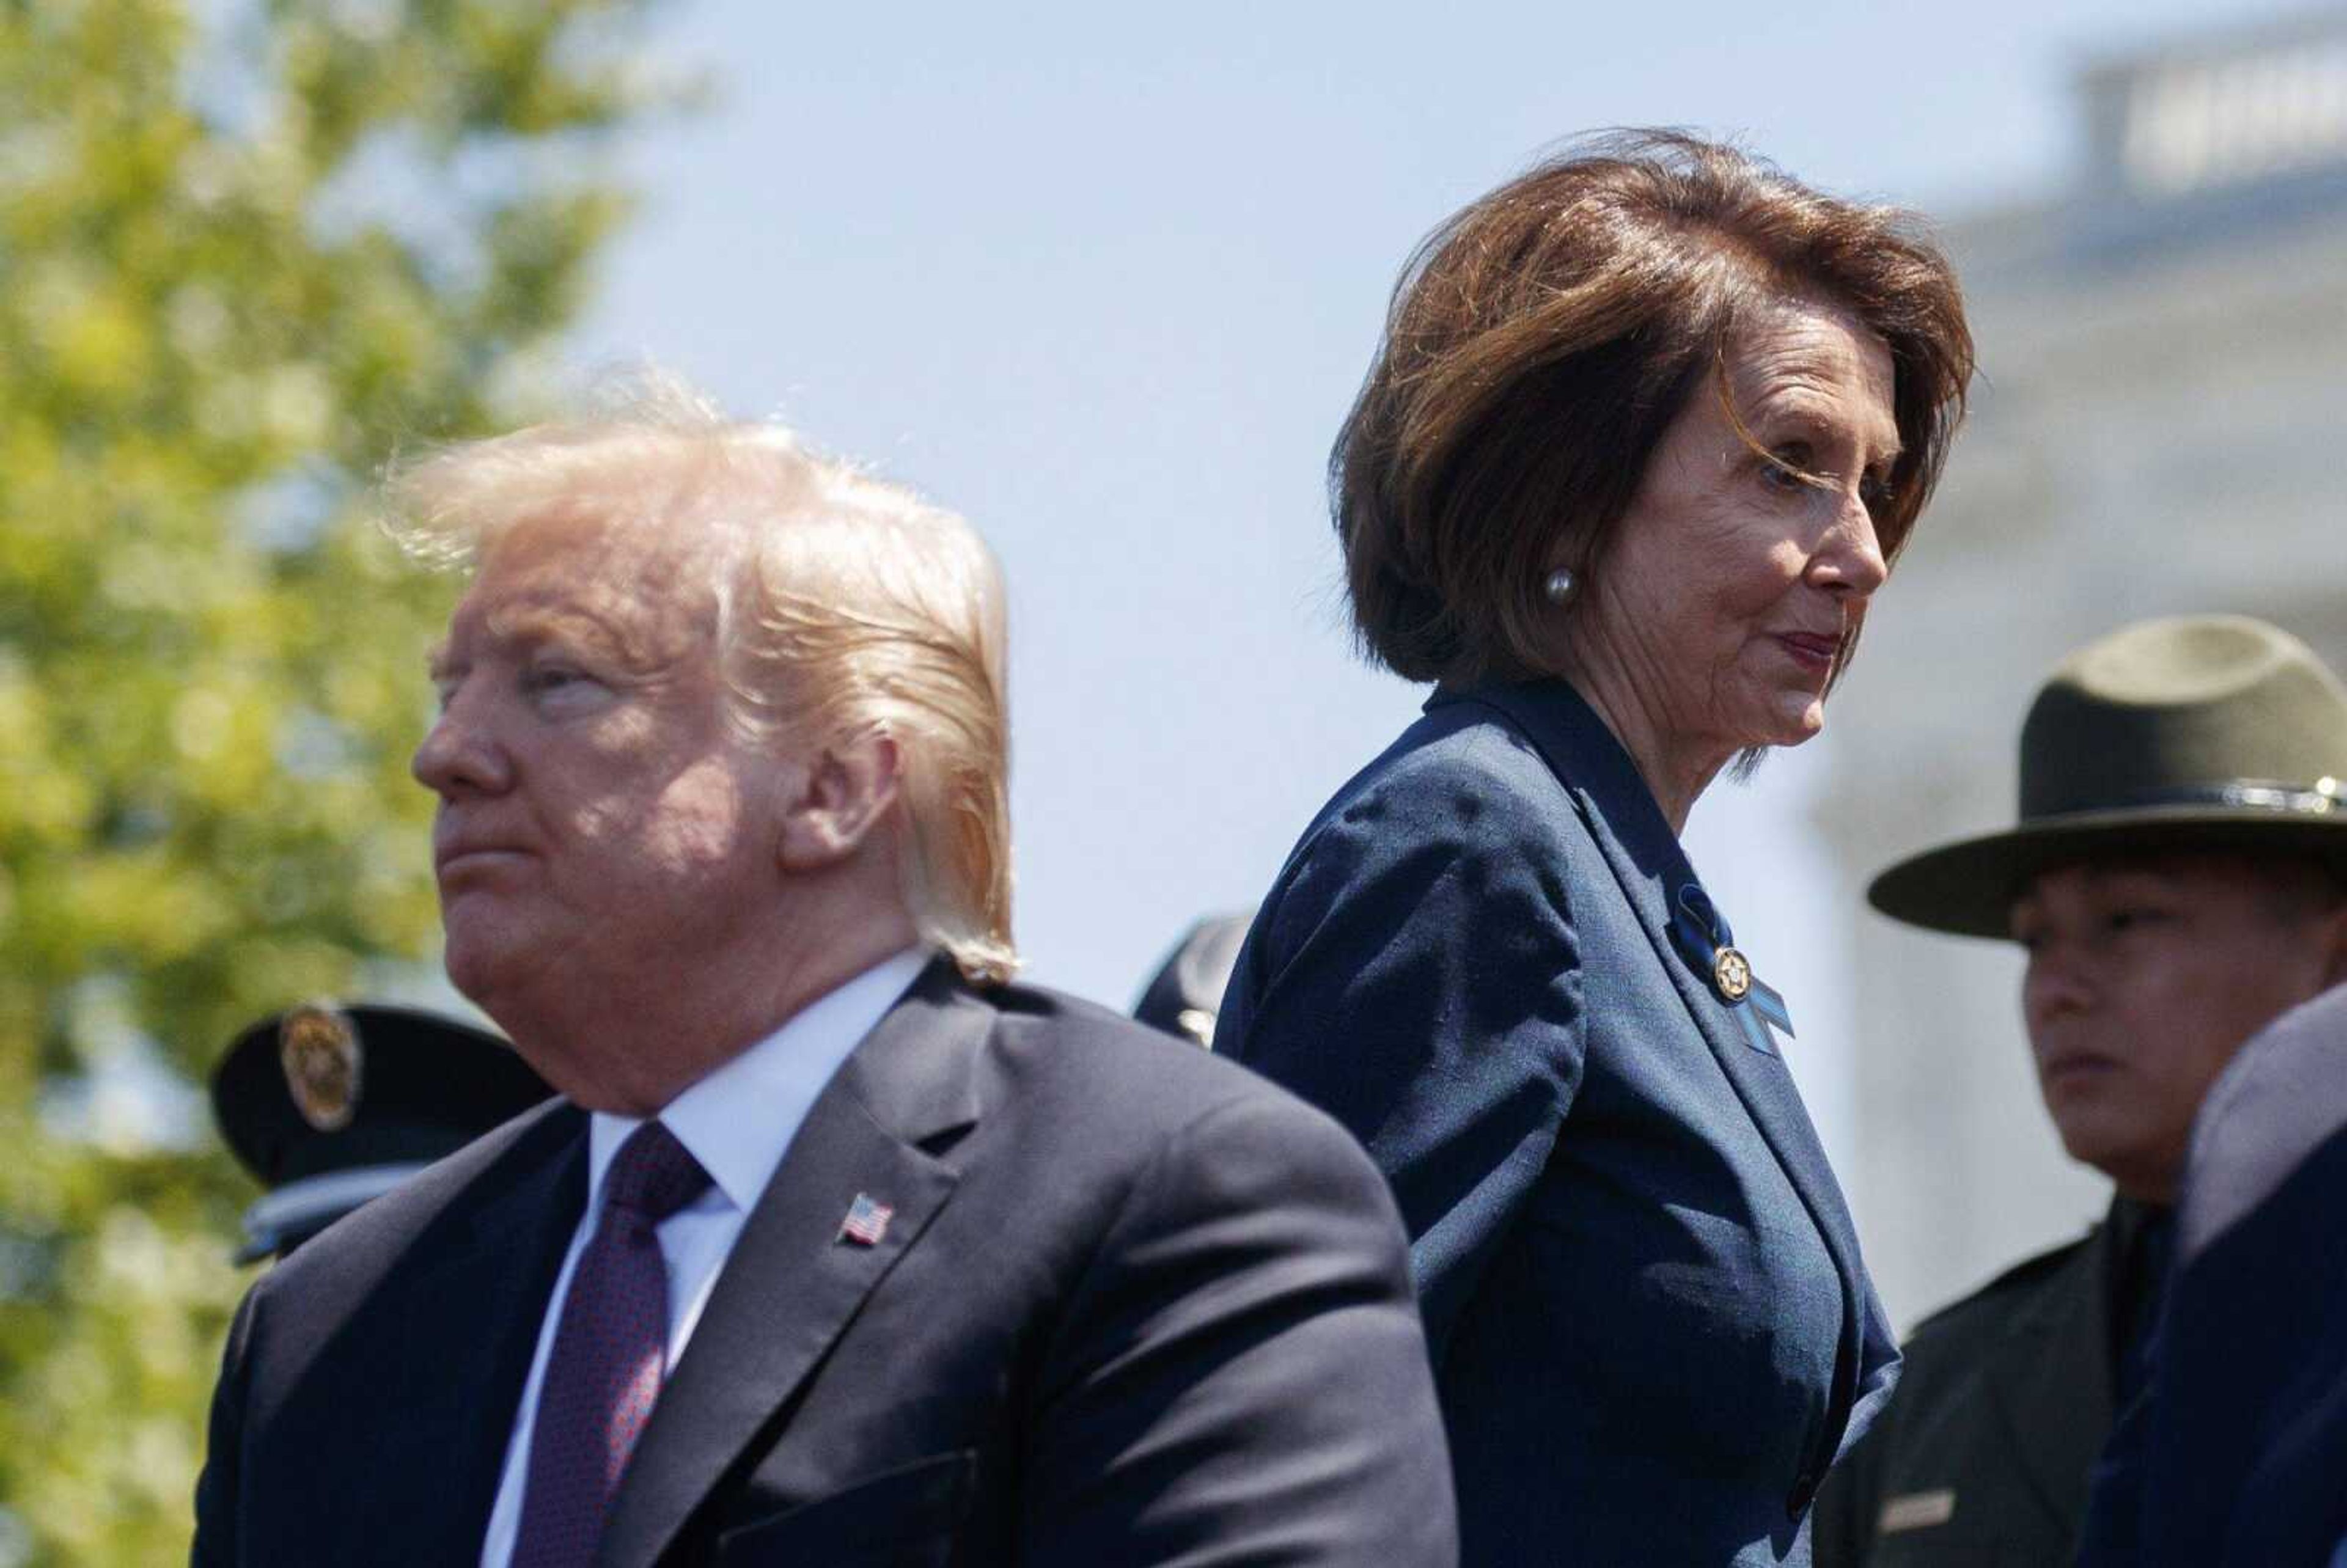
(217,1498)
(1240,1376)
(1416,974)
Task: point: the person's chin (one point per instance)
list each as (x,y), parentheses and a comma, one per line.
(1788,721)
(2096,1128)
(482,956)
(1804,728)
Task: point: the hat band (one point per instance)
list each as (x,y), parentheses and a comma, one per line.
(2318,799)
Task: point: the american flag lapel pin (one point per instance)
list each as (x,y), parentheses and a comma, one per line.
(867,1221)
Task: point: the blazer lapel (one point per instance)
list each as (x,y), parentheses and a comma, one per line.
(796,1277)
(1761,1082)
(468,1326)
(1647,862)
(2050,1381)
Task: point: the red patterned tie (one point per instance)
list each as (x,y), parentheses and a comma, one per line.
(609,1354)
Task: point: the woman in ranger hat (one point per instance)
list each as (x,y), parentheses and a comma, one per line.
(2178,878)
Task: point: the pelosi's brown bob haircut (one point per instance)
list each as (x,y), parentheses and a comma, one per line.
(1541,340)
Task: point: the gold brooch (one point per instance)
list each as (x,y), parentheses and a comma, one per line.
(1731,975)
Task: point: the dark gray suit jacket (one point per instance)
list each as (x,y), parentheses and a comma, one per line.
(1651,1329)
(1134,1307)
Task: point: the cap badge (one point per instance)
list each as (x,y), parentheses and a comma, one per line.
(318,1050)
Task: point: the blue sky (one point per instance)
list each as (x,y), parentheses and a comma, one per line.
(1105,278)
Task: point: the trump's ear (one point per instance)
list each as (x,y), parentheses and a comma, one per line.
(839,801)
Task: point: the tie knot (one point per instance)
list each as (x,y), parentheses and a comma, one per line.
(653,1175)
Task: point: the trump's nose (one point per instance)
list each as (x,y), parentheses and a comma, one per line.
(460,754)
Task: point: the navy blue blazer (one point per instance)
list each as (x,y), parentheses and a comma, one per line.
(1651,1329)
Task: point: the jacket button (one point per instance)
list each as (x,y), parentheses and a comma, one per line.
(1805,1492)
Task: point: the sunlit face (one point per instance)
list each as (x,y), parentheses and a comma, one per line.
(2145,977)
(599,823)
(1742,568)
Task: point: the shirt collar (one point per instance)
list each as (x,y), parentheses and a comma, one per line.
(739,1121)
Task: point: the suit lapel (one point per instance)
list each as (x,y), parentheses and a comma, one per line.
(795,1278)
(2050,1381)
(1647,860)
(1761,1082)
(460,1384)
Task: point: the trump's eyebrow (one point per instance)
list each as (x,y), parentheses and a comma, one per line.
(532,626)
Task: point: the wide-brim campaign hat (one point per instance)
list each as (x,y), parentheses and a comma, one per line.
(2203,733)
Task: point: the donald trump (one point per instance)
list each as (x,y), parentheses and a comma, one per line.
(837,1245)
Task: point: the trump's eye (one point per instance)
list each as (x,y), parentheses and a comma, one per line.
(557,678)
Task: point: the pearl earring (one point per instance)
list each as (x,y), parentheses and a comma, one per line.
(1559,584)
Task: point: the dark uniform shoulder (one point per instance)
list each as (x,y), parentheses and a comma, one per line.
(1995,1303)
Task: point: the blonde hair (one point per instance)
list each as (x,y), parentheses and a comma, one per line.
(846,606)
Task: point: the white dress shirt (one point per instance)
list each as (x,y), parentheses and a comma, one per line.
(738,1122)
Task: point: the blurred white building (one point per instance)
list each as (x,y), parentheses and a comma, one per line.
(2160,426)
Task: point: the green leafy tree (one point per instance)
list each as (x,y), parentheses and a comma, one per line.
(245,250)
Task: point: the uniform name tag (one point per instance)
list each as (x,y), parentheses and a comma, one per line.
(1916,1510)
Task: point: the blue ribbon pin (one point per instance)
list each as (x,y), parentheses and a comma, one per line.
(1707,942)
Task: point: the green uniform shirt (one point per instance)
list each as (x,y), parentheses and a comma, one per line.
(1981,1459)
